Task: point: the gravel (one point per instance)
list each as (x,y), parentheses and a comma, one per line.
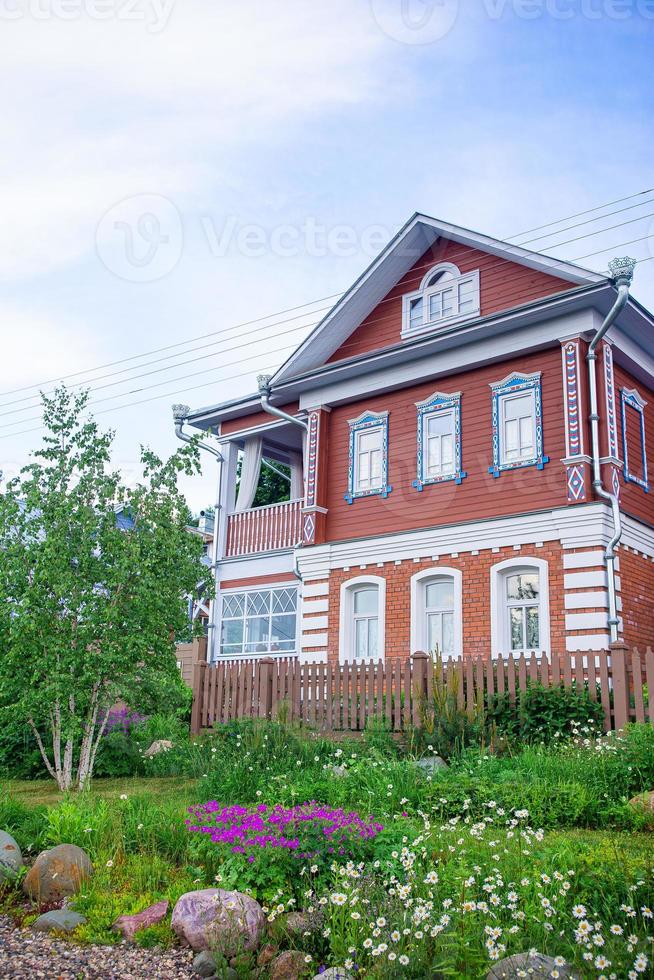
(25,954)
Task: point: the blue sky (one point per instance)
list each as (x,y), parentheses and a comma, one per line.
(172,168)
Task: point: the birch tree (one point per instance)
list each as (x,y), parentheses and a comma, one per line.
(88,611)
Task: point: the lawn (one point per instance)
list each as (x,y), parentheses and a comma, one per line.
(532,847)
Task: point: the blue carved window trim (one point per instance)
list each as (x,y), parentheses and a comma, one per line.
(438,403)
(514,384)
(631,399)
(368,421)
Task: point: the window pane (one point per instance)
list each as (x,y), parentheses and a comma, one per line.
(518,406)
(361,639)
(448,301)
(284,600)
(375,468)
(258,603)
(440,595)
(447,451)
(434,454)
(282,634)
(256,634)
(365,601)
(511,437)
(369,440)
(448,634)
(415,312)
(232,631)
(233,605)
(526,434)
(533,631)
(435,308)
(364,469)
(372,638)
(515,621)
(522,586)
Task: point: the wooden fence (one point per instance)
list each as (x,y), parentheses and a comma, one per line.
(346,697)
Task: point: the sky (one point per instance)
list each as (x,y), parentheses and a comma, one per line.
(185,185)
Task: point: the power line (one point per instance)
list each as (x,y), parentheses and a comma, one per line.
(598,218)
(580,214)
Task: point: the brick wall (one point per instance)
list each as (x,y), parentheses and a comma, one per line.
(475,569)
(637,580)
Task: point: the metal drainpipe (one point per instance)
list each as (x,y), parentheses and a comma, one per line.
(180,414)
(263,380)
(622,271)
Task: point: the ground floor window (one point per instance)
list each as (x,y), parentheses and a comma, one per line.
(259,622)
(436,612)
(362,629)
(520,606)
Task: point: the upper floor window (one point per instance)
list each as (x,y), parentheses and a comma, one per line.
(362,630)
(436,612)
(445,296)
(633,438)
(439,440)
(517,423)
(368,457)
(259,622)
(519,606)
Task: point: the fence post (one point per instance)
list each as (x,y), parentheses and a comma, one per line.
(266,665)
(419,662)
(620,677)
(199,668)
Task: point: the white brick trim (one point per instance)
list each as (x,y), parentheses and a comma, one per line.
(315,606)
(586,600)
(593,641)
(584,580)
(584,559)
(585,621)
(310,589)
(314,623)
(313,640)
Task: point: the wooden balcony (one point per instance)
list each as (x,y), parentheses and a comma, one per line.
(271,528)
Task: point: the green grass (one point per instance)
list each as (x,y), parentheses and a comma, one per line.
(44,791)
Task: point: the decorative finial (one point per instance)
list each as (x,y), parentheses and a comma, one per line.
(180,412)
(263,381)
(622,270)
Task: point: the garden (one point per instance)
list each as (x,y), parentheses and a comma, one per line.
(275,852)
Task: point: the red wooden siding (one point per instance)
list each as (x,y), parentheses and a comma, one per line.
(479,495)
(503,285)
(633,498)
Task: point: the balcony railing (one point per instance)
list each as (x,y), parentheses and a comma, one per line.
(271,528)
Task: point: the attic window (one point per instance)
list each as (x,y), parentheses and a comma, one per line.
(445,296)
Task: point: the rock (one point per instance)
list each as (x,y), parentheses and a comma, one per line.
(297,923)
(536,966)
(59,920)
(267,954)
(430,763)
(10,857)
(204,964)
(644,803)
(339,770)
(289,965)
(129,925)
(159,745)
(57,873)
(213,918)
(334,973)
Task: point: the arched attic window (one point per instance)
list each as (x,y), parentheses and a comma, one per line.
(445,296)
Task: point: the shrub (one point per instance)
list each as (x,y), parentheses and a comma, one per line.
(540,714)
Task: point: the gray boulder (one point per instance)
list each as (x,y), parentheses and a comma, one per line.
(536,966)
(59,920)
(204,964)
(57,873)
(213,918)
(159,745)
(289,965)
(430,764)
(10,857)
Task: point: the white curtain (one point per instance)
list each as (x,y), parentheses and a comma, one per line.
(297,476)
(250,470)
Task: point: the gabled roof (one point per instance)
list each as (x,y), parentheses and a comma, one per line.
(402,252)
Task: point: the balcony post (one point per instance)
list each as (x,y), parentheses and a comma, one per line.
(314,510)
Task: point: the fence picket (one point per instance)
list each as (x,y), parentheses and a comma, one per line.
(637,682)
(649,676)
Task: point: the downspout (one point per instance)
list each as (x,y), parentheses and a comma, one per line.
(180,414)
(622,271)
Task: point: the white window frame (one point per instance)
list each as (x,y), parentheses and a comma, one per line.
(505,400)
(419,582)
(224,594)
(346,638)
(425,293)
(514,385)
(440,404)
(366,423)
(500,636)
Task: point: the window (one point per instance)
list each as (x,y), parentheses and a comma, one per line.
(436,612)
(517,423)
(362,614)
(259,622)
(368,462)
(633,438)
(445,295)
(439,440)
(519,606)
